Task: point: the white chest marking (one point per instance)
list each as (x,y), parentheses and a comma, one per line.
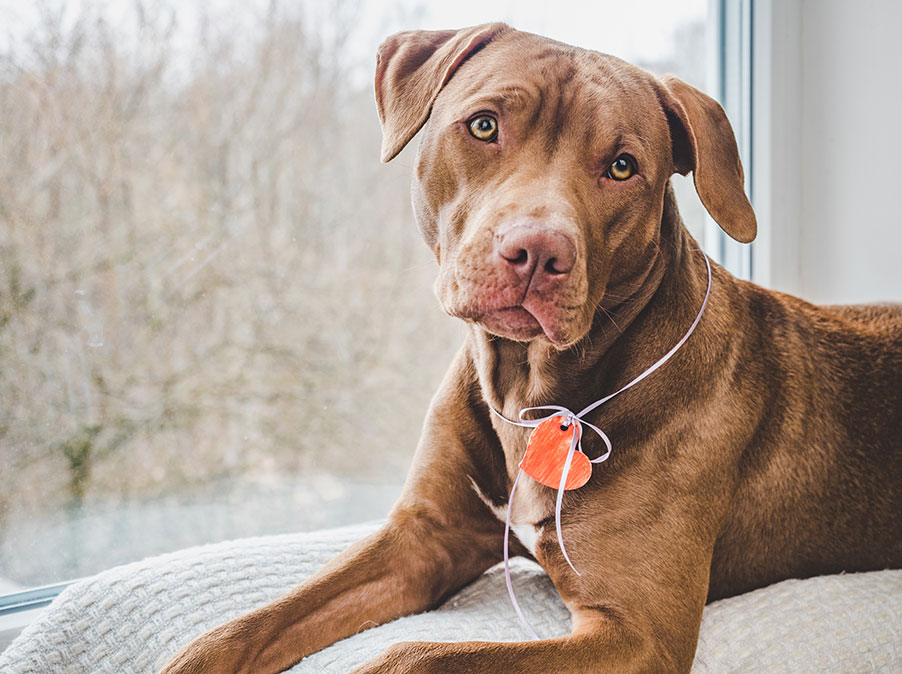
(528,534)
(521,524)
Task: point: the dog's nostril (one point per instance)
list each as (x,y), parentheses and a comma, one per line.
(522,256)
(554,267)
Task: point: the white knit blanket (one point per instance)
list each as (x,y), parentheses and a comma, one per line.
(133,618)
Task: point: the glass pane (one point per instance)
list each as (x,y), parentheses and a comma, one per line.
(216,316)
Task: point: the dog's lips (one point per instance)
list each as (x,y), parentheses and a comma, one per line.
(515,322)
(520,322)
(506,309)
(549,318)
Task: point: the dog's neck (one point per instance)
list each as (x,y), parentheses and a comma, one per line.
(514,375)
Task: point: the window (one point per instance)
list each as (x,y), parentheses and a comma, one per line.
(216,316)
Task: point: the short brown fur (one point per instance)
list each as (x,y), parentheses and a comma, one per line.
(767,448)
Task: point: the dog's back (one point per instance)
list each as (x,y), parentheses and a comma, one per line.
(819,487)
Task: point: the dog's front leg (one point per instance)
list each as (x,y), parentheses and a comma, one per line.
(643,545)
(399,570)
(439,537)
(604,639)
(600,645)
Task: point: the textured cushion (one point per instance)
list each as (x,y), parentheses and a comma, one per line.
(132,618)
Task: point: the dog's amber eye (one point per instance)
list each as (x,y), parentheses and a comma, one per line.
(624,167)
(484,127)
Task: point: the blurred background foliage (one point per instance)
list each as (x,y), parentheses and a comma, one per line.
(204,269)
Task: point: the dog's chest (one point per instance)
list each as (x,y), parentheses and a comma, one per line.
(530,506)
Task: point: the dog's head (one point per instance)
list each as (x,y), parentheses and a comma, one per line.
(541,174)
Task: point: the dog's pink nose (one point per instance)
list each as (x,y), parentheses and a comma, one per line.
(535,251)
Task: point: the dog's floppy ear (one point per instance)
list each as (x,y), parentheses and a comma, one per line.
(411,69)
(703,143)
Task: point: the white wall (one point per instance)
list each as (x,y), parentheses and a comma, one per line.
(828,150)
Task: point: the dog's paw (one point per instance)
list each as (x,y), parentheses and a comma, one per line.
(404,658)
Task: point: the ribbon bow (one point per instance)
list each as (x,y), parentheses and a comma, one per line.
(575,445)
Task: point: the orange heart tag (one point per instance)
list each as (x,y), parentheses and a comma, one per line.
(546,454)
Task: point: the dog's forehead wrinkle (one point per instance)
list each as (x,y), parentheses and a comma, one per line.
(506,95)
(548,60)
(577,101)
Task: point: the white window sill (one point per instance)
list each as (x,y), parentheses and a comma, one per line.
(20,608)
(12,624)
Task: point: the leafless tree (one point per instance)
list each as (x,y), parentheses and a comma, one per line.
(204,269)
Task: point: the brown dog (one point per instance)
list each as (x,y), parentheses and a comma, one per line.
(766,448)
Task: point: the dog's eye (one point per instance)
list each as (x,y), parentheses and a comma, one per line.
(484,127)
(624,167)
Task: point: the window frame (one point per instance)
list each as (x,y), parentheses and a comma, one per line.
(731,41)
(776,148)
(17,609)
(758,80)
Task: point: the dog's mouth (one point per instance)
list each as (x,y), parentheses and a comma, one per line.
(517,307)
(523,324)
(514,322)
